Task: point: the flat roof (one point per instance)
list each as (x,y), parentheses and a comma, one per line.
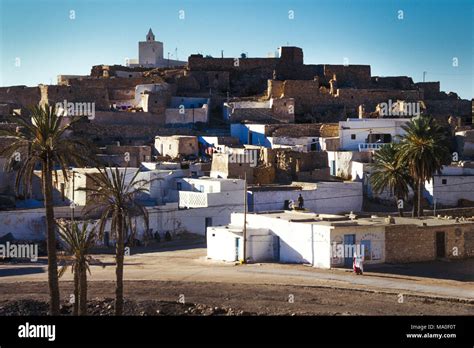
(344,220)
(208,178)
(295,186)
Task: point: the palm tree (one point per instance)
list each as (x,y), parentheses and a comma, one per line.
(116,198)
(424,149)
(48,147)
(78,242)
(390,174)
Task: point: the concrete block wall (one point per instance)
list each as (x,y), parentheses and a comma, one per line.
(410,243)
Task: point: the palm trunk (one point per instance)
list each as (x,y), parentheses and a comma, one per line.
(51,238)
(415,200)
(83,289)
(420,207)
(119,268)
(75,308)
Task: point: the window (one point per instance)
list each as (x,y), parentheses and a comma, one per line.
(353,136)
(169,148)
(444,181)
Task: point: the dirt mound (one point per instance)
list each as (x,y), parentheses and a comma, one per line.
(105,306)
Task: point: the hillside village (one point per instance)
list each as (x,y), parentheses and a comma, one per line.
(269,159)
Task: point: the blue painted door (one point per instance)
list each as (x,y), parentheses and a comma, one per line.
(237,247)
(276,248)
(349,240)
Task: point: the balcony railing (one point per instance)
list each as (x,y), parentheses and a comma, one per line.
(190,199)
(370,146)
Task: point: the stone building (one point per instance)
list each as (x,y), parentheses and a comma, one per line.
(266,166)
(177,146)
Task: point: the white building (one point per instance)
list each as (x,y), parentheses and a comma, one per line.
(465,143)
(279,109)
(141,91)
(159,183)
(454,183)
(186,110)
(321,197)
(367,134)
(211,192)
(150,54)
(302,144)
(324,241)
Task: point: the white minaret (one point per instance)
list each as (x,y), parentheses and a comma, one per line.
(150,52)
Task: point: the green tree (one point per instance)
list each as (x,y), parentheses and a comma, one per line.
(114,194)
(49,148)
(78,242)
(424,149)
(391,174)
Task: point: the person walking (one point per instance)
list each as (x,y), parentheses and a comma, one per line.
(358,264)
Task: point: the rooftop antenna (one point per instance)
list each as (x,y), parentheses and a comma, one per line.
(424,75)
(176,53)
(222,53)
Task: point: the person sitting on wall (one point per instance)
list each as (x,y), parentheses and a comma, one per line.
(300,202)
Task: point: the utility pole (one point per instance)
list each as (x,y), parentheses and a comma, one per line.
(245,220)
(73,204)
(424,76)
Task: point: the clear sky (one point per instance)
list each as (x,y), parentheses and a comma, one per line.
(432,35)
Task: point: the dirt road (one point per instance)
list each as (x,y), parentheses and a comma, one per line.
(261,288)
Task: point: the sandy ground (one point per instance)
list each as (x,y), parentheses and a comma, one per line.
(250,298)
(163,275)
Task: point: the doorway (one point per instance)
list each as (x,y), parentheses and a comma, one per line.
(237,248)
(349,244)
(440,244)
(207,223)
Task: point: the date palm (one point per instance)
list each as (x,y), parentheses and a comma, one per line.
(78,241)
(49,148)
(114,194)
(391,174)
(424,149)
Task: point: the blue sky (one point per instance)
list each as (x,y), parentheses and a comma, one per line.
(431,34)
